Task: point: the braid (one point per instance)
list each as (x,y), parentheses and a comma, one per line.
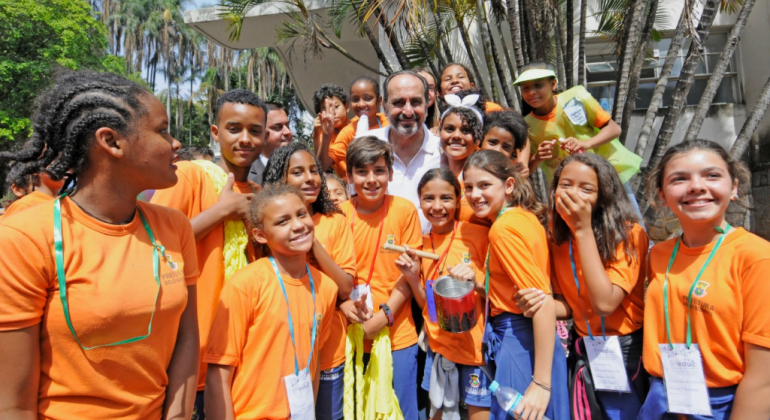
(277,170)
(68,114)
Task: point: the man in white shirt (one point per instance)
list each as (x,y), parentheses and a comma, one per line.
(278,135)
(416,149)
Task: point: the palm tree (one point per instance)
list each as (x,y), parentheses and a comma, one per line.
(747,131)
(679,99)
(582,43)
(627,53)
(717,74)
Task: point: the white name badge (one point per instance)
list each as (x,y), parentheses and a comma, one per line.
(606,361)
(576,112)
(684,380)
(299,389)
(359,291)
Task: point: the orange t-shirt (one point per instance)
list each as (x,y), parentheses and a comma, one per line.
(490,106)
(194,193)
(334,233)
(338,149)
(519,259)
(110,290)
(729,306)
(29,200)
(468,247)
(251,332)
(401,226)
(628,274)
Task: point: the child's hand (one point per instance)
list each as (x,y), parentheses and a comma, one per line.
(317,122)
(409,264)
(462,272)
(573,145)
(233,205)
(575,211)
(529,301)
(356,311)
(326,118)
(546,150)
(534,403)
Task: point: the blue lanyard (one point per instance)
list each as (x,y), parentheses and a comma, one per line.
(577,284)
(291,324)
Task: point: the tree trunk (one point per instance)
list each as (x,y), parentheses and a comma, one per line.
(660,86)
(679,100)
(582,43)
(561,46)
(513,22)
(504,82)
(718,73)
(524,29)
(486,39)
(393,38)
(468,46)
(636,70)
(747,131)
(377,50)
(628,51)
(569,52)
(440,38)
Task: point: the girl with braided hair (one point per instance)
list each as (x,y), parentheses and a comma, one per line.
(97,296)
(332,253)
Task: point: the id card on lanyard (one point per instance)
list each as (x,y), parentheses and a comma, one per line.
(361,289)
(605,358)
(683,374)
(431,300)
(299,386)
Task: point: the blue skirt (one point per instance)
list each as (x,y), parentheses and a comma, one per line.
(510,352)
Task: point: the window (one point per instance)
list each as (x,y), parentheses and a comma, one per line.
(602,73)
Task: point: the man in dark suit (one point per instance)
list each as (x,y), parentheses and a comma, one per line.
(278,134)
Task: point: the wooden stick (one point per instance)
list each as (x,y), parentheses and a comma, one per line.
(422,254)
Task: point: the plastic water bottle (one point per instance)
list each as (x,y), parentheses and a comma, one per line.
(508,398)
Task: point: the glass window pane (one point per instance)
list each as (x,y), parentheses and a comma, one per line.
(644,95)
(677,69)
(702,65)
(599,67)
(715,43)
(696,91)
(724,93)
(605,95)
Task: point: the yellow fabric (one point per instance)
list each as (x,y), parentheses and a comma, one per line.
(236,238)
(623,160)
(374,397)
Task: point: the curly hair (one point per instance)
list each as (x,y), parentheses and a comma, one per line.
(69,113)
(264,197)
(502,168)
(468,118)
(240,96)
(511,122)
(22,182)
(328,90)
(277,170)
(612,218)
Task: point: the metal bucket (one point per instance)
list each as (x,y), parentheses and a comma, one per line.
(455,304)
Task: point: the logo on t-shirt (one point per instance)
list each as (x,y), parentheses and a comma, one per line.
(700,289)
(391,239)
(466,258)
(171,264)
(475,380)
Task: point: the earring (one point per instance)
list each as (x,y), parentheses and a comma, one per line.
(734,197)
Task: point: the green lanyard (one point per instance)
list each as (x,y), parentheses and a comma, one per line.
(692,287)
(59,254)
(580,301)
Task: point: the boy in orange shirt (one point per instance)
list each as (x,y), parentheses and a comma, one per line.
(331,106)
(273,319)
(378,218)
(215,197)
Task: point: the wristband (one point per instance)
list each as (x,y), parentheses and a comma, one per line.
(547,388)
(388,314)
